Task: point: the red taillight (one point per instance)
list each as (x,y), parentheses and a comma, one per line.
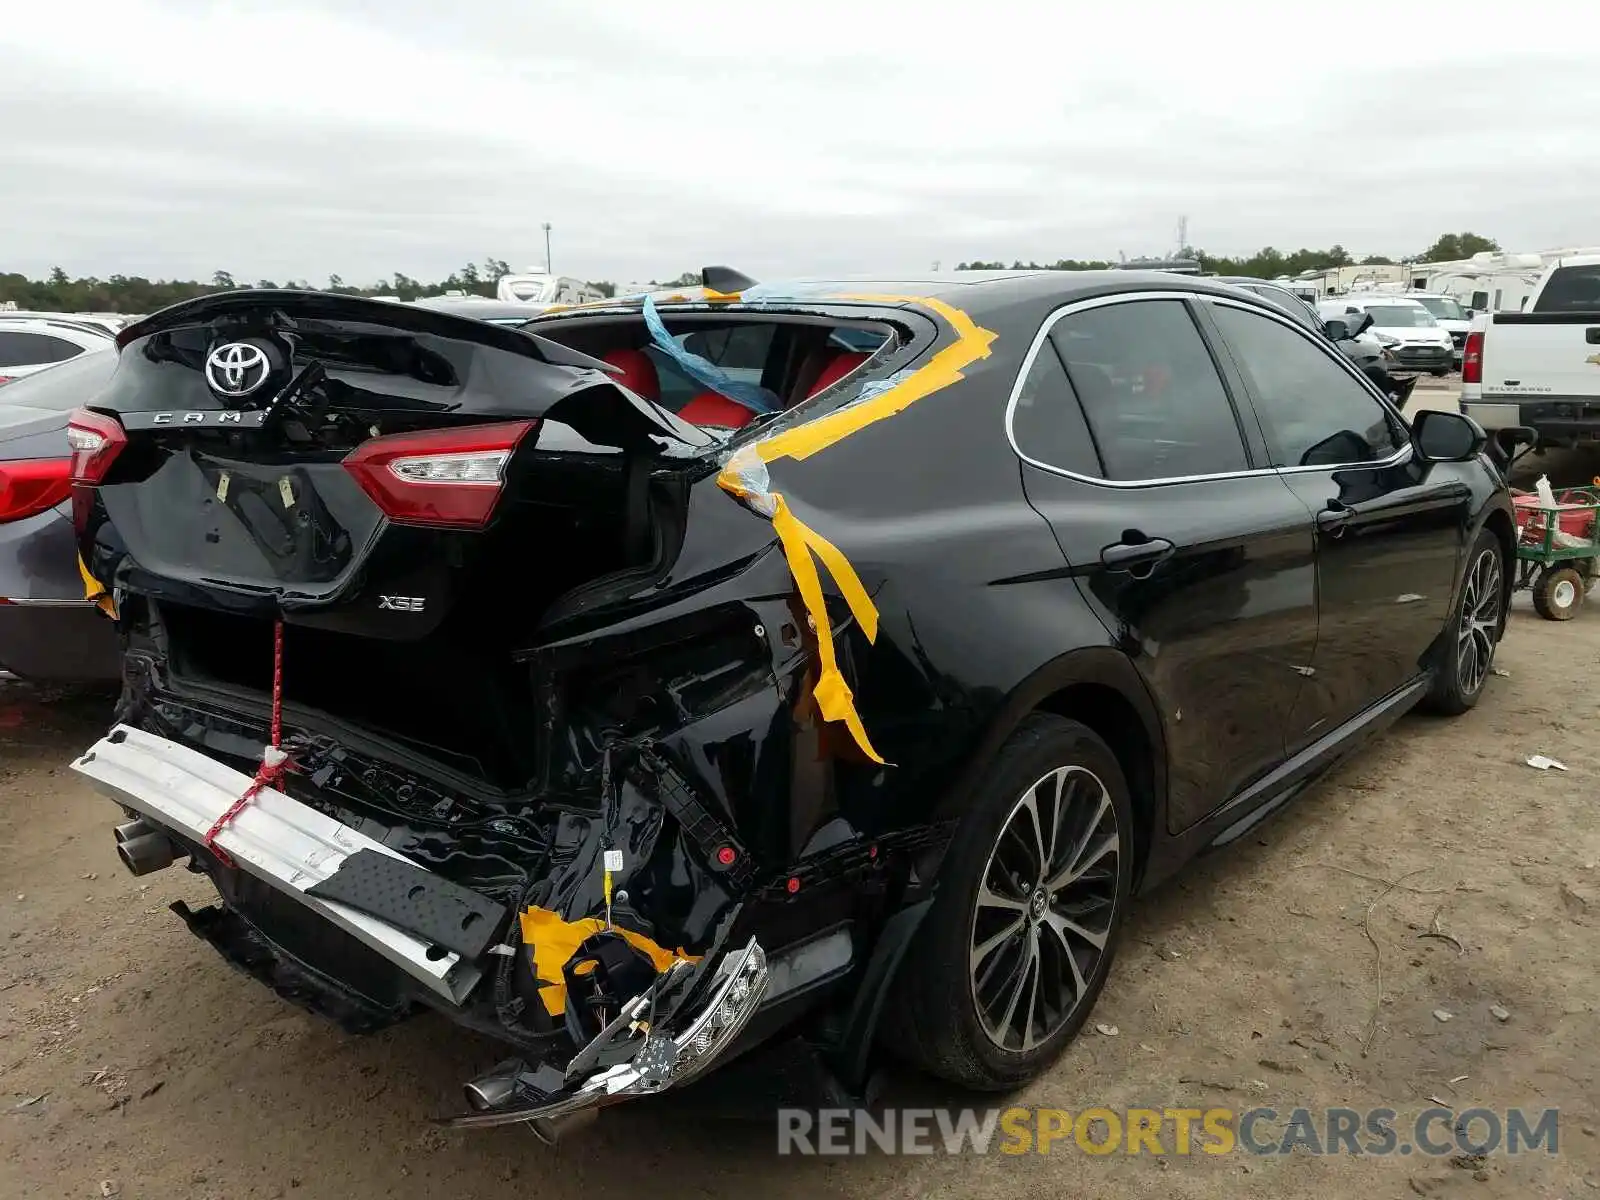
(5,378)
(96,440)
(1472,358)
(449,477)
(33,486)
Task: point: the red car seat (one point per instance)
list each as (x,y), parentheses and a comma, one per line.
(638,372)
(837,368)
(714,409)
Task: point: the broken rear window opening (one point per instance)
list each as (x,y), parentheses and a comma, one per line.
(774,362)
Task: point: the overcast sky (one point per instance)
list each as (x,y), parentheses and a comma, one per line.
(294,138)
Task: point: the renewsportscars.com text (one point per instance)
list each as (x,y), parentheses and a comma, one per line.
(1433,1132)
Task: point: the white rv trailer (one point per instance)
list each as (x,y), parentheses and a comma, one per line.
(541,287)
(1492,281)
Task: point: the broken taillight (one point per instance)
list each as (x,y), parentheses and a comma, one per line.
(444,477)
(96,440)
(33,486)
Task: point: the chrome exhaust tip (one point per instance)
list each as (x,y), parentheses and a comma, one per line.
(129,830)
(490,1091)
(150,852)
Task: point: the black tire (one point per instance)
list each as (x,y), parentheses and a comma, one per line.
(935,1018)
(1440,373)
(1465,655)
(1558,593)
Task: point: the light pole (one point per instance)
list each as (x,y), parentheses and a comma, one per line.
(548,265)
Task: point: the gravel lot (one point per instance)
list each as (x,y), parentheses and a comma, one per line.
(1249,981)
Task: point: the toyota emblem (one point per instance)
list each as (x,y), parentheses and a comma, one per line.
(237,368)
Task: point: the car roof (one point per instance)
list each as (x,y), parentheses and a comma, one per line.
(32,322)
(972,291)
(80,333)
(1282,287)
(1376,298)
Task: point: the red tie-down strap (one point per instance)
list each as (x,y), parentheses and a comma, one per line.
(274,762)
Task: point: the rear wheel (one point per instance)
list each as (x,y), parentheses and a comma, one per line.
(1466,650)
(1022,932)
(1557,593)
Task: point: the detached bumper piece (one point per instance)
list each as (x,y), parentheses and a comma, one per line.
(632,1056)
(295,850)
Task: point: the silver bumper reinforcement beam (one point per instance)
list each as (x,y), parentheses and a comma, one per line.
(278,840)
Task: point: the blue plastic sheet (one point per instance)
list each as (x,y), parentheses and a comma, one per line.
(705,372)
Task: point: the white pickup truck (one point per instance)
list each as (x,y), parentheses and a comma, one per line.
(1540,367)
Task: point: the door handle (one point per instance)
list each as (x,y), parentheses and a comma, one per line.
(1135,551)
(1335,517)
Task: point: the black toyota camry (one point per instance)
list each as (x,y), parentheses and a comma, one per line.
(820,664)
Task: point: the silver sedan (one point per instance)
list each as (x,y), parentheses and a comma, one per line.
(48,629)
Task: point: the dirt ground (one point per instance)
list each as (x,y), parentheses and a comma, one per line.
(1250,981)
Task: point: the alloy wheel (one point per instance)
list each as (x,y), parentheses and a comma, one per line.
(1045,906)
(1480,621)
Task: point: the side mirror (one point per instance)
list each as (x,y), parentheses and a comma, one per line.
(1441,437)
(1471,312)
(1336,328)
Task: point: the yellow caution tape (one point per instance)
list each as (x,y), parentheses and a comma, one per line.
(96,592)
(800,543)
(555,940)
(712,296)
(745,476)
(944,368)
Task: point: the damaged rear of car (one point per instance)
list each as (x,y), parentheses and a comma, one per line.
(476,679)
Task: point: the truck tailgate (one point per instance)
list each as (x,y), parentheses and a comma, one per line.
(1542,354)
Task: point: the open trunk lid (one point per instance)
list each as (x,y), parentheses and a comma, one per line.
(337,460)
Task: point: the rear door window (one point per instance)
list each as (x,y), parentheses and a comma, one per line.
(1047,423)
(1313,411)
(1151,394)
(20,349)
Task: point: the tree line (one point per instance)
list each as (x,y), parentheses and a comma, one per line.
(136,294)
(1270,262)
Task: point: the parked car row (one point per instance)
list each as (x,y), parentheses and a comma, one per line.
(1355,339)
(1403,326)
